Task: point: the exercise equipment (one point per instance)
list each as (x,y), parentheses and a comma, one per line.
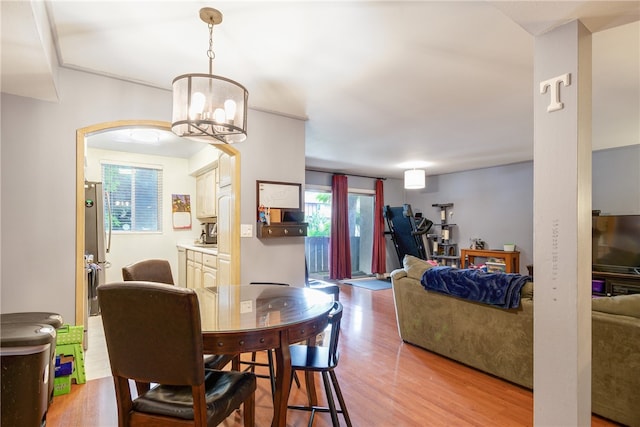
(408,232)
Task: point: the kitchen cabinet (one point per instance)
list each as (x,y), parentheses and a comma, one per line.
(209,270)
(225,225)
(182,267)
(190,274)
(201,269)
(206,198)
(224,170)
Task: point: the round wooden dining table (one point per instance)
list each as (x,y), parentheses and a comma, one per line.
(245,318)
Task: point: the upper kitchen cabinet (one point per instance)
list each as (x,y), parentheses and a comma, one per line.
(206,198)
(224,170)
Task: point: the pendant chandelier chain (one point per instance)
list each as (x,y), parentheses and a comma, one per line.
(210,53)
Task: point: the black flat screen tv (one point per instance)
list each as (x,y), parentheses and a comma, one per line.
(616,243)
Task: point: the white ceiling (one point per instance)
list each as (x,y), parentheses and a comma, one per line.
(380,83)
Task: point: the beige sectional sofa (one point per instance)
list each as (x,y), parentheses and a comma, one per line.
(474,334)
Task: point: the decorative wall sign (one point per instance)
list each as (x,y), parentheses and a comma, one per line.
(554,85)
(181,211)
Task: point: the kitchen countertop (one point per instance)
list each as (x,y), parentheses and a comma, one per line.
(210,249)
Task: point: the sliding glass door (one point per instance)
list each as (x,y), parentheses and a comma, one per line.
(318,215)
(361,233)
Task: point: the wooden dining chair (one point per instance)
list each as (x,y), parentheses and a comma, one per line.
(149,270)
(159,271)
(153,336)
(308,358)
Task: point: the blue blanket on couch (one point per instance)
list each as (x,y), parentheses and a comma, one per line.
(497,289)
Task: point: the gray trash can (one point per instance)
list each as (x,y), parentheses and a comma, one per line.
(53,319)
(25,359)
(38,317)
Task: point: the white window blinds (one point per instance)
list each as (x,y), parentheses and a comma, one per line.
(134,195)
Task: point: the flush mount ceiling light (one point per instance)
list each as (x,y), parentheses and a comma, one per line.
(207,106)
(414,179)
(148,136)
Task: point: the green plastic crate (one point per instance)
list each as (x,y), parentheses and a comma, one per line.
(68,334)
(62,385)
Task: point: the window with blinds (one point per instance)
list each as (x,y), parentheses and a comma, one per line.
(133,201)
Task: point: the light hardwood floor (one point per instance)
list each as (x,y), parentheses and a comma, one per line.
(385,383)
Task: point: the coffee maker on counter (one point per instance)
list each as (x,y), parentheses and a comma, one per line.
(209,235)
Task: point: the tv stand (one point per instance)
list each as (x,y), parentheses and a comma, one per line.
(617,283)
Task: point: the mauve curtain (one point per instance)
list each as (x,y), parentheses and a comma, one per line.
(339,247)
(378,261)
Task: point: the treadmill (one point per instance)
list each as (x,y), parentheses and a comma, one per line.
(408,232)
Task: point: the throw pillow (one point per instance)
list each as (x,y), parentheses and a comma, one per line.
(415,267)
(626,305)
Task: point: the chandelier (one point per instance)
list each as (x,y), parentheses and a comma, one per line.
(207,106)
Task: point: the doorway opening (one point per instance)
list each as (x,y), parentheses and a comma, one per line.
(232,260)
(318,216)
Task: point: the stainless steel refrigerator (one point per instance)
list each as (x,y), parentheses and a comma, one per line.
(96,243)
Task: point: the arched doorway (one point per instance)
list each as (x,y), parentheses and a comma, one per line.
(233,194)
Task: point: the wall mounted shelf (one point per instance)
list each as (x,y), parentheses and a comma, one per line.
(282,229)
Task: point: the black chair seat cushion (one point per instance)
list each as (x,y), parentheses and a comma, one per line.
(217,361)
(327,288)
(225,392)
(311,358)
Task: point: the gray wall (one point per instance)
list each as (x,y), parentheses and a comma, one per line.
(496,204)
(39,178)
(38,156)
(273,151)
(616,180)
(38,189)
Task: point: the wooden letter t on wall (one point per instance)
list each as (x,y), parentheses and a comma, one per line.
(554,84)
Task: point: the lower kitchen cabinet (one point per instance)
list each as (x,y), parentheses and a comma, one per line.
(209,270)
(201,269)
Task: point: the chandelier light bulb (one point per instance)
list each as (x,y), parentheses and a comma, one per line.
(197,105)
(230,110)
(219,116)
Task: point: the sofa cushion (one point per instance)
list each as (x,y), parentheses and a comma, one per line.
(527,290)
(626,305)
(415,267)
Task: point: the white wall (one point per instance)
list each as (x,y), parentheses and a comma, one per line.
(129,247)
(38,184)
